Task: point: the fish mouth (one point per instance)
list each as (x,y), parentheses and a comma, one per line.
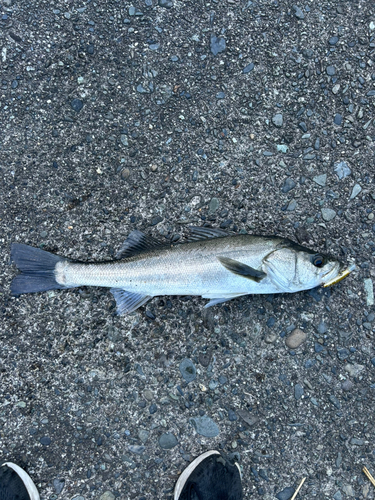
(342,274)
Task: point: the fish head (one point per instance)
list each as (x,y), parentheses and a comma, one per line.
(293,268)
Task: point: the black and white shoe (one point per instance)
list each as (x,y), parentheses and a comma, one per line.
(16,484)
(209,477)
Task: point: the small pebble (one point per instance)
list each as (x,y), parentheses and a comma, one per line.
(320,179)
(213,206)
(77,105)
(247,417)
(298,391)
(322,327)
(143,435)
(348,489)
(291,206)
(167,4)
(270,338)
(342,353)
(337,119)
(248,68)
(125,173)
(107,495)
(167,441)
(232,415)
(296,338)
(354,370)
(205,426)
(369,289)
(357,441)
(337,495)
(298,12)
(356,190)
(58,484)
(288,185)
(188,370)
(335,401)
(277,120)
(328,214)
(45,440)
(342,170)
(138,450)
(330,70)
(333,40)
(218,45)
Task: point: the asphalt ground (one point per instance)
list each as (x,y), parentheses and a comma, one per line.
(249,116)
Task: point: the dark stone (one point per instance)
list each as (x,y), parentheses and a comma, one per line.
(205,358)
(153,409)
(286,493)
(156,220)
(338,119)
(318,347)
(232,415)
(248,68)
(77,105)
(45,440)
(289,184)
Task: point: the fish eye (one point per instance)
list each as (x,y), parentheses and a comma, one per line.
(318,261)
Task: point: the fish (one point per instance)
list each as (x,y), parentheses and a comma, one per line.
(210,263)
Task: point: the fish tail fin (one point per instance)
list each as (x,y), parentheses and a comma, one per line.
(37,269)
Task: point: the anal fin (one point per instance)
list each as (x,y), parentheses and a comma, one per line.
(128,302)
(219,300)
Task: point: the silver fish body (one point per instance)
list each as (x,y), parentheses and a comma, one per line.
(215,266)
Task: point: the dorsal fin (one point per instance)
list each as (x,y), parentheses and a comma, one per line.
(204,233)
(138,242)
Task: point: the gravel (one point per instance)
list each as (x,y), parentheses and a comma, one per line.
(156,116)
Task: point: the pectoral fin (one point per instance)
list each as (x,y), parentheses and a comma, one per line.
(236,267)
(128,302)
